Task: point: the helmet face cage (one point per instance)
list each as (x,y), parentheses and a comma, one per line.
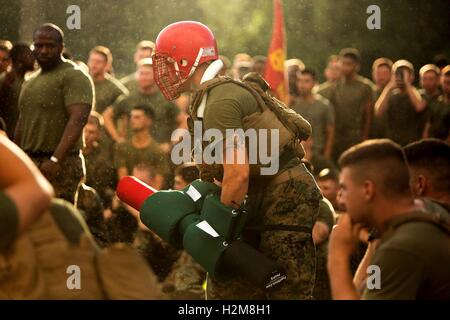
(167,76)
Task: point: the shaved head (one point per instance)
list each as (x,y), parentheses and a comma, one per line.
(52,30)
(381,161)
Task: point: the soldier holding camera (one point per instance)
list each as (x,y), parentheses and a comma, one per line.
(403,105)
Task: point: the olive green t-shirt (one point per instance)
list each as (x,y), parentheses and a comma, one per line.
(226,106)
(320,115)
(130,82)
(414,264)
(350,99)
(9,109)
(165,112)
(107,92)
(439,118)
(43,103)
(129,156)
(404,123)
(9,221)
(324,89)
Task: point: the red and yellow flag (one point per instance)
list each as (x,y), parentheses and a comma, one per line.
(274,73)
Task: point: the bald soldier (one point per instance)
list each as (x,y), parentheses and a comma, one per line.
(54,106)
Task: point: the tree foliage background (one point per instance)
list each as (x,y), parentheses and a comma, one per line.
(411,29)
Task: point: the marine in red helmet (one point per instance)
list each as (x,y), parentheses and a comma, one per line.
(284,204)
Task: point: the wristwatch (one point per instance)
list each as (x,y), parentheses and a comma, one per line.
(54,159)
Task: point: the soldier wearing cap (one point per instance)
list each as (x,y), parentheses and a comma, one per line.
(403,105)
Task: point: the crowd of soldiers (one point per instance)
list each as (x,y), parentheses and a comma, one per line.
(85,130)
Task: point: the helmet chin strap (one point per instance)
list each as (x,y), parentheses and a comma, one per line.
(210,72)
(194,66)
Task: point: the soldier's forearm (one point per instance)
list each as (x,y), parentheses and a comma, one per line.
(341,282)
(109,123)
(381,104)
(415,98)
(23,183)
(234,185)
(71,134)
(361,272)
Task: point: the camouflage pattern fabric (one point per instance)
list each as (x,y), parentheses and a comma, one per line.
(185,282)
(67,181)
(293,202)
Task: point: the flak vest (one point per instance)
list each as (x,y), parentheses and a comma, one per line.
(273,115)
(36,267)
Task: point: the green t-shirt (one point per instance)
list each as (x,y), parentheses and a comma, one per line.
(439,118)
(165,112)
(9,221)
(404,123)
(129,156)
(322,286)
(9,109)
(350,100)
(320,115)
(130,82)
(324,89)
(43,102)
(107,92)
(226,106)
(414,264)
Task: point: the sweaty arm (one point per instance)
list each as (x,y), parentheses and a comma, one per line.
(235,178)
(108,116)
(415,98)
(381,105)
(24,192)
(78,115)
(226,108)
(361,273)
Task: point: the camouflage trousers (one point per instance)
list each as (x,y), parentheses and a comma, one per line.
(68,179)
(322,290)
(293,202)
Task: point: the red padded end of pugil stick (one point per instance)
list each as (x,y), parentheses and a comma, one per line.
(133,191)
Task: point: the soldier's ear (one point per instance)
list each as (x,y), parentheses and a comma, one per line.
(369,190)
(421,185)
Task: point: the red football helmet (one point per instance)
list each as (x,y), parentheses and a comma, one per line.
(180,48)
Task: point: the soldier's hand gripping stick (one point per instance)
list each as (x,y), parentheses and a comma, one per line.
(194,219)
